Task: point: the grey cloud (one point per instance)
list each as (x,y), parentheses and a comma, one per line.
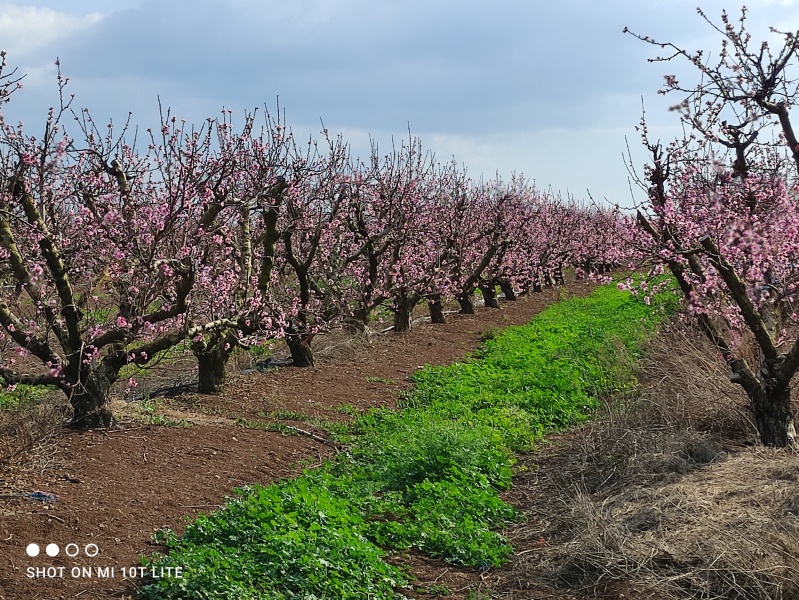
(454,62)
(458,69)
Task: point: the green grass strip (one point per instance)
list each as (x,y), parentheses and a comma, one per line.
(548,374)
(427,477)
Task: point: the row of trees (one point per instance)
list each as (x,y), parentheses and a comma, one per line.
(722,210)
(114,250)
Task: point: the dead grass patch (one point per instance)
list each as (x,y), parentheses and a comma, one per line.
(27,441)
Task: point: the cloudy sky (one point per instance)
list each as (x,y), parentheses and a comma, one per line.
(547,88)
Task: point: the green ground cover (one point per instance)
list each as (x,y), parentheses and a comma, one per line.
(426,477)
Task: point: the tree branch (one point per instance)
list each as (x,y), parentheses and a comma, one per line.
(69,310)
(739,294)
(11,377)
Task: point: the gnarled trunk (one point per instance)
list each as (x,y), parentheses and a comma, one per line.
(402,320)
(353,324)
(466,303)
(775,420)
(212,356)
(489,295)
(89,401)
(211,369)
(362,314)
(404,304)
(770,394)
(436,309)
(507,289)
(300,348)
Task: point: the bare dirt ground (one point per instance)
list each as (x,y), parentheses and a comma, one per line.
(174,458)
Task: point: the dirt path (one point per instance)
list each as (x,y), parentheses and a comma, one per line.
(115,488)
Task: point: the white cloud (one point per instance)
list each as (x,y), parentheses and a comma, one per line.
(25,29)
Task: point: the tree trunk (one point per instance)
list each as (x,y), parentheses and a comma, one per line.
(354,325)
(360,318)
(775,424)
(212,356)
(300,348)
(489,295)
(771,406)
(770,395)
(211,364)
(507,289)
(89,402)
(404,304)
(436,309)
(466,304)
(402,319)
(358,321)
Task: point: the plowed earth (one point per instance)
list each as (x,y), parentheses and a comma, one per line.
(116,487)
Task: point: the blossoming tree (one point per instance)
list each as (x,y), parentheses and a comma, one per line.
(106,248)
(722,211)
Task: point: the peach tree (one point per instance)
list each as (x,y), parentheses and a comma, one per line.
(721,211)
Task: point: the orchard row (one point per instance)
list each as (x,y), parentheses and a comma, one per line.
(113,250)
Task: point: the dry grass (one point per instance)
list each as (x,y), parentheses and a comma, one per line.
(27,432)
(665,495)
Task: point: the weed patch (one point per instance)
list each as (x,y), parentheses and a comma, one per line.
(288,415)
(546,375)
(384,380)
(150,412)
(23,395)
(290,540)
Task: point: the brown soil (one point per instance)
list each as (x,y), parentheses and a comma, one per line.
(116,487)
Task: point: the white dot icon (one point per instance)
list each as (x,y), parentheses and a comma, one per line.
(32,550)
(52,550)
